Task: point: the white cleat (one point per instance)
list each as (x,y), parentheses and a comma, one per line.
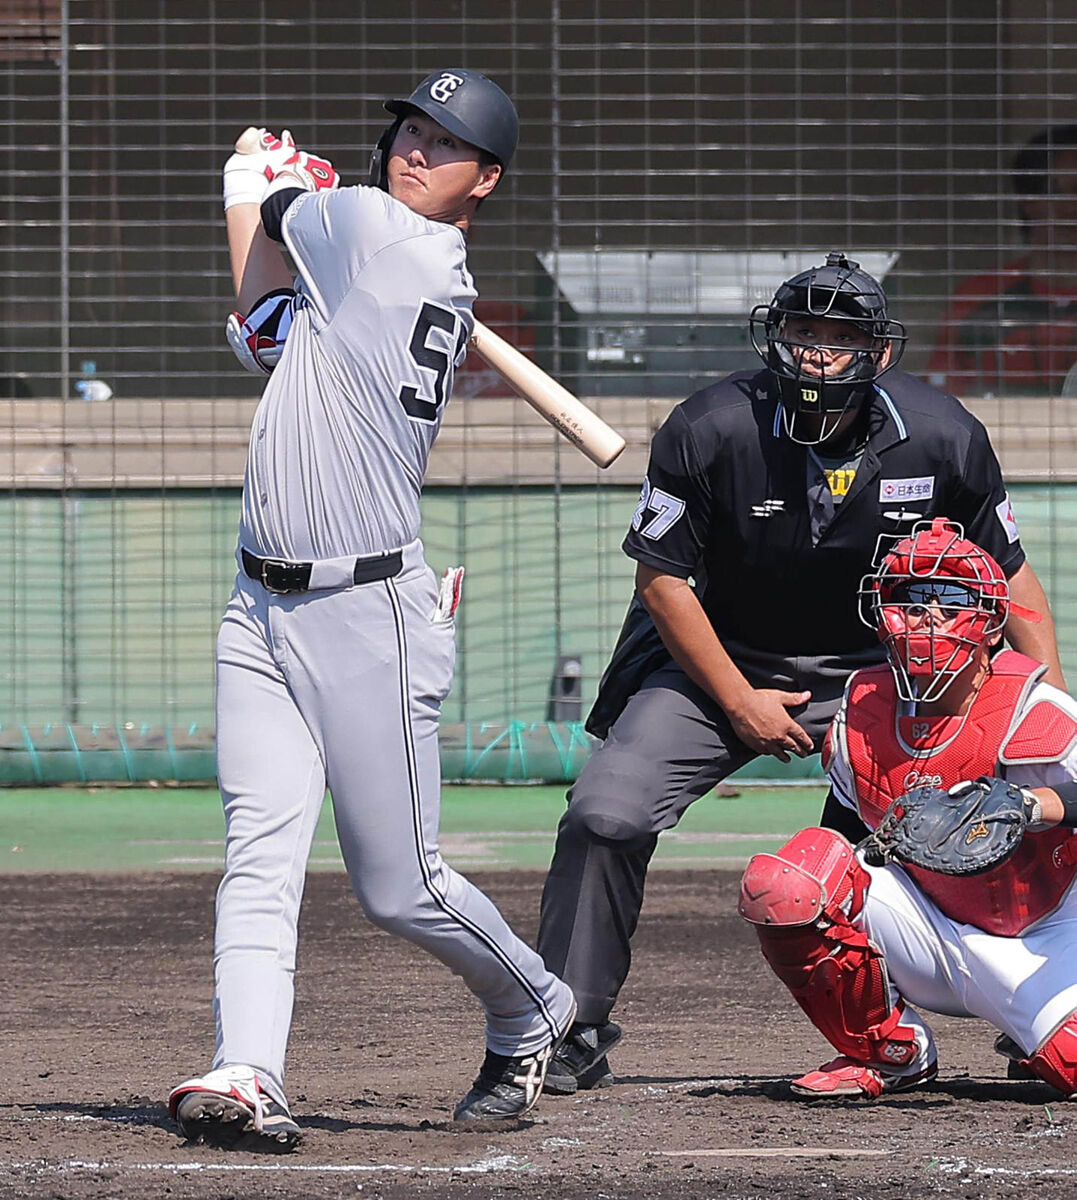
(229,1108)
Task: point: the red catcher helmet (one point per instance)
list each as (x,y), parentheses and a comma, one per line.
(934,600)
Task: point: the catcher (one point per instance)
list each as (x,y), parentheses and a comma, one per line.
(962,764)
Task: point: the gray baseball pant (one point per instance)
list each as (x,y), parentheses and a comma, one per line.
(343,687)
(670,745)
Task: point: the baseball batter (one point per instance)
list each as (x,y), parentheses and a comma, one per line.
(337,646)
(859,945)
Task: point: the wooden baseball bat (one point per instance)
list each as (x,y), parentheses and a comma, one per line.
(569,416)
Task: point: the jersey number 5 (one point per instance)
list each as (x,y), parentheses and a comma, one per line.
(431,316)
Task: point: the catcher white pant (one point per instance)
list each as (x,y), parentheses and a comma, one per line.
(1025,986)
(343,687)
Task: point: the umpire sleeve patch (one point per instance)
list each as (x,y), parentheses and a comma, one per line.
(657,511)
(1007,520)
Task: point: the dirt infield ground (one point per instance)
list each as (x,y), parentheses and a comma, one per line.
(105,1004)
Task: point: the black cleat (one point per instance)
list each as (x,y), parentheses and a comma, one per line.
(506,1088)
(1016,1062)
(580,1063)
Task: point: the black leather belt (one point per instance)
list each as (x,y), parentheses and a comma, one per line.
(277,575)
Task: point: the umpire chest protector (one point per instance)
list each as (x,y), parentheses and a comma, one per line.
(890,754)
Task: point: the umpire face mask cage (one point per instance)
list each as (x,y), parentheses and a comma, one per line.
(934,601)
(467,105)
(815,398)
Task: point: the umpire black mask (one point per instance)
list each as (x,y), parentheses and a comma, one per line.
(827,338)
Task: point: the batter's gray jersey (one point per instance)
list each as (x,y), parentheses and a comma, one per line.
(340,440)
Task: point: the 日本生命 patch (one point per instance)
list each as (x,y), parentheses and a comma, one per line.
(921,488)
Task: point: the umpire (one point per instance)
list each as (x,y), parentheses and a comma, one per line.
(765,498)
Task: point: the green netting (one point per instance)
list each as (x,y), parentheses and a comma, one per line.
(110,614)
(109,676)
(514,752)
(486,752)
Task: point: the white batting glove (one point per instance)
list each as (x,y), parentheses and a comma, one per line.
(449,592)
(246,175)
(308,171)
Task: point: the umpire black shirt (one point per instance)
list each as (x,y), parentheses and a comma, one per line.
(730,501)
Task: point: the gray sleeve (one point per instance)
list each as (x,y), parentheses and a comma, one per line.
(332,235)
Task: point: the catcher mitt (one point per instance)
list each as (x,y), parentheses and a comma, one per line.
(971,828)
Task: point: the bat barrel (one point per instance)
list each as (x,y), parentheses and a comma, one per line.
(568,415)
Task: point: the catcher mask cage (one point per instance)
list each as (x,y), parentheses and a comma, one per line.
(934,600)
(467,104)
(813,401)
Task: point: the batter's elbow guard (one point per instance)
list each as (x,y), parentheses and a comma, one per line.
(258,339)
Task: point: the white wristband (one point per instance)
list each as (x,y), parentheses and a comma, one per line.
(242,185)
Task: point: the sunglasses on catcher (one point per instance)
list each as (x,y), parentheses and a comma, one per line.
(923,596)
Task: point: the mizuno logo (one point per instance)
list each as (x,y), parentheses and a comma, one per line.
(769,508)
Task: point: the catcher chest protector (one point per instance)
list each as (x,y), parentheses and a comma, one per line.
(889,755)
(801,902)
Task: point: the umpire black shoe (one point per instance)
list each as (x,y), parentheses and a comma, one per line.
(506,1088)
(580,1063)
(1016,1062)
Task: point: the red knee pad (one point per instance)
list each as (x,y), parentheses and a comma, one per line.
(815,872)
(1056,1060)
(802,900)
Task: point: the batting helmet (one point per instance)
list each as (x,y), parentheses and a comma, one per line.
(934,600)
(467,104)
(839,290)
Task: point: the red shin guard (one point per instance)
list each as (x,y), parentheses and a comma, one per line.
(802,901)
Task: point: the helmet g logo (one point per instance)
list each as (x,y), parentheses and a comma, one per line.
(443,87)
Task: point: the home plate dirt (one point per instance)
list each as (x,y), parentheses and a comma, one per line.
(106,1004)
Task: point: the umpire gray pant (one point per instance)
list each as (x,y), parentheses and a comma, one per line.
(670,745)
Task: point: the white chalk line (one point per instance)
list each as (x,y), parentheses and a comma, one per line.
(775,1152)
(961,1166)
(110,1120)
(496,1162)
